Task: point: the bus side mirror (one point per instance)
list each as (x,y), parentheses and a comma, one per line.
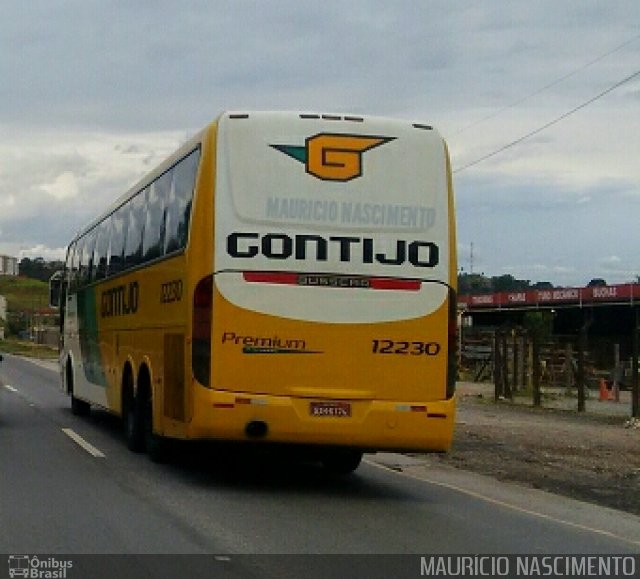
(55,289)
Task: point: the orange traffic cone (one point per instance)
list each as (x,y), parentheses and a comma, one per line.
(604,393)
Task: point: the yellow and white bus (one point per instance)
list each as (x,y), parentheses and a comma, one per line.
(283,278)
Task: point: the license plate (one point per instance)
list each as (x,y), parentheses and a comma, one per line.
(334,409)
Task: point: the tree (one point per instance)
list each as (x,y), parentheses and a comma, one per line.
(597,282)
(508,283)
(542,285)
(38,268)
(473,283)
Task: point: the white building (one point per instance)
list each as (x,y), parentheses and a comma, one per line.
(8,265)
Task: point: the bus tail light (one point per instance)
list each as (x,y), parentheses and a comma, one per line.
(201,328)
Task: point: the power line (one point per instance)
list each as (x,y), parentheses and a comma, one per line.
(550,123)
(547,86)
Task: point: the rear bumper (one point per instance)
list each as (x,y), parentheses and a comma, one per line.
(370,425)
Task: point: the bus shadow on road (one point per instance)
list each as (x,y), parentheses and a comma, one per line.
(271,471)
(260,468)
(266,468)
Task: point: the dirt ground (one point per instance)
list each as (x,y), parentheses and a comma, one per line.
(593,456)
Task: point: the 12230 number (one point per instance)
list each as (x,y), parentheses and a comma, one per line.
(407,348)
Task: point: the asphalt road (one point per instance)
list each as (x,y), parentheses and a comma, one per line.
(60,498)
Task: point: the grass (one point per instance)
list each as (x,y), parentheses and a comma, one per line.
(24,293)
(22,348)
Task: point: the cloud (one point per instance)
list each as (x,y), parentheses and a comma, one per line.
(49,191)
(47,253)
(64,186)
(618,269)
(95,94)
(612,260)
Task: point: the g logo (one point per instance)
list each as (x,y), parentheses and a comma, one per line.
(338,157)
(333,157)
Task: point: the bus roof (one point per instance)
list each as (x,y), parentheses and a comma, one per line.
(196,139)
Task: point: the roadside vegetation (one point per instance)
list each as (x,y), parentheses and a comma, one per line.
(24,293)
(25,348)
(27,301)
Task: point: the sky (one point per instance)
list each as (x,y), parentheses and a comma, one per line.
(95,93)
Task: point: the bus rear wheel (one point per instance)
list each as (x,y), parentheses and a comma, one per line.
(78,407)
(341,461)
(133,425)
(155,445)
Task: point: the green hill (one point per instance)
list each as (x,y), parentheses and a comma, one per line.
(27,307)
(24,294)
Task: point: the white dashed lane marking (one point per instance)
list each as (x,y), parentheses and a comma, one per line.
(82,443)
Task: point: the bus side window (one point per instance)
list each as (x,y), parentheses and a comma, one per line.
(82,261)
(179,205)
(70,267)
(119,226)
(133,247)
(100,251)
(87,265)
(154,227)
(74,273)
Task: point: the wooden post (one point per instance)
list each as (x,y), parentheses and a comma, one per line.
(516,360)
(635,387)
(505,365)
(530,362)
(506,378)
(524,351)
(581,377)
(617,372)
(568,366)
(497,367)
(535,363)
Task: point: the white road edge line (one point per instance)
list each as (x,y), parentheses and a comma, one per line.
(506,504)
(10,388)
(92,450)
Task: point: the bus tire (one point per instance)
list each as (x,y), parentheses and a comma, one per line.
(133,431)
(132,421)
(155,445)
(78,407)
(341,461)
